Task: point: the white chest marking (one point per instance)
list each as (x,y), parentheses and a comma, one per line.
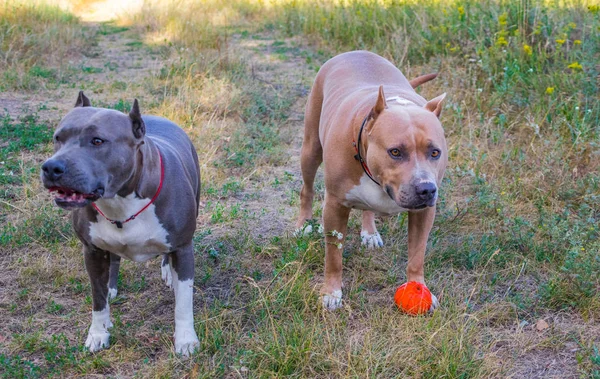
(371,197)
(139,239)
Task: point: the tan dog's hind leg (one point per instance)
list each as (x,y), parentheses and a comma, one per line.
(369,235)
(311,156)
(335,217)
(419,226)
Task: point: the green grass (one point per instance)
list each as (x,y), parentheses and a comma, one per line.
(19,137)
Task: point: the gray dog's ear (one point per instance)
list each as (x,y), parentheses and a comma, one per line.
(82,100)
(435,105)
(137,124)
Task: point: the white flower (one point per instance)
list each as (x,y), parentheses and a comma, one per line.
(320,229)
(337,234)
(339,246)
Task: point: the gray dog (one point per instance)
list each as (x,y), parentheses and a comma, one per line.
(133,183)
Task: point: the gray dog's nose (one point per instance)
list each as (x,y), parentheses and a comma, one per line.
(426,191)
(53,169)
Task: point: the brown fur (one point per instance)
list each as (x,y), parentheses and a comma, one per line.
(349,87)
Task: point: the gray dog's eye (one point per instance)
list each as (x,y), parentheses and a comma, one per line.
(97,141)
(56,139)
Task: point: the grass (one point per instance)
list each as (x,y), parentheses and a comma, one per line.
(38,38)
(515,238)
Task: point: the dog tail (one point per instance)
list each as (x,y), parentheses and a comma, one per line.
(422,79)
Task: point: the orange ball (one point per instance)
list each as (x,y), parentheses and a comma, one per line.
(413,298)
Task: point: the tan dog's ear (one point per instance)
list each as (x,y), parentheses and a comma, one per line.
(380,105)
(82,100)
(435,105)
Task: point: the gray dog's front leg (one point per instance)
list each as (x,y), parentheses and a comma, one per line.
(182,270)
(97,264)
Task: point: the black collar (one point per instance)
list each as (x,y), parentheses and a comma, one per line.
(358,157)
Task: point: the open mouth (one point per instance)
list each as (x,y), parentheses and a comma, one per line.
(69,198)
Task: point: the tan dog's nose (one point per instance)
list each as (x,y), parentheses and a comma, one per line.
(426,190)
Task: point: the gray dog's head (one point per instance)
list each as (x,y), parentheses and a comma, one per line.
(95,151)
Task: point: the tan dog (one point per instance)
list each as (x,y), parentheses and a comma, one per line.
(382,155)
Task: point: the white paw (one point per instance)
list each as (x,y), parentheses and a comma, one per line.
(186,341)
(434,303)
(165,273)
(333,301)
(98,336)
(371,241)
(307,229)
(303,231)
(112,293)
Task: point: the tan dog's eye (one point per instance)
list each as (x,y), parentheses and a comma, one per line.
(435,154)
(395,153)
(97,141)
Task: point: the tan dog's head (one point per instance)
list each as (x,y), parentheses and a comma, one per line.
(407,150)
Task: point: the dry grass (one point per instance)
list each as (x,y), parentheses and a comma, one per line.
(515,239)
(37,40)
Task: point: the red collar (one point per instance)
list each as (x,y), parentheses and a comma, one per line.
(120,223)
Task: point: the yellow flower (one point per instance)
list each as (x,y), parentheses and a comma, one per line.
(575,66)
(549,90)
(538,30)
(577,42)
(454,49)
(527,49)
(572,25)
(501,41)
(503,19)
(560,41)
(461,10)
(516,32)
(594,8)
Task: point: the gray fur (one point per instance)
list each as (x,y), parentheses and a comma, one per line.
(126,162)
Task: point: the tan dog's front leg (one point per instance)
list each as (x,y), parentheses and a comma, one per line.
(419,226)
(335,217)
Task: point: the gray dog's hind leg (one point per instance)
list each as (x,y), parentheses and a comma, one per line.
(115,262)
(182,271)
(97,264)
(165,271)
